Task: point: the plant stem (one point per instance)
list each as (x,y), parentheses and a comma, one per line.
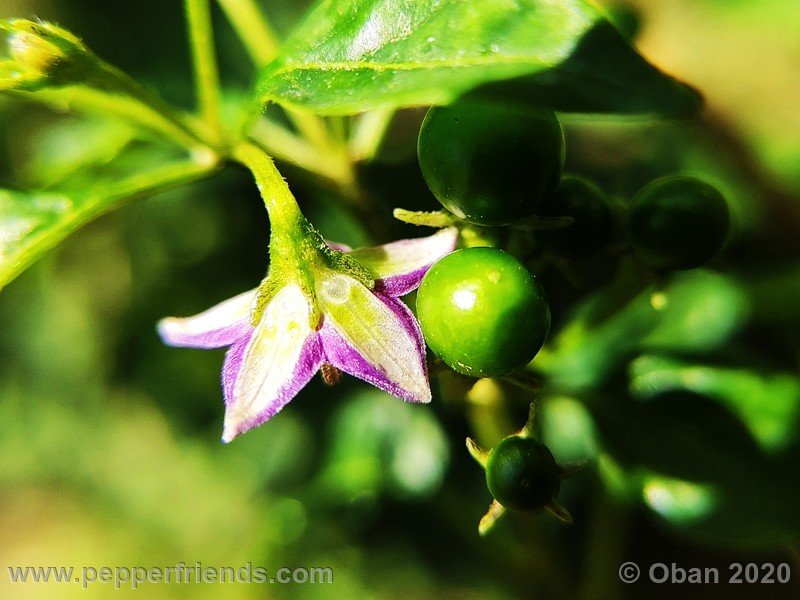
(337,125)
(295,247)
(332,167)
(284,145)
(252,26)
(312,128)
(128,108)
(313,150)
(284,214)
(201,38)
(368,133)
(259,39)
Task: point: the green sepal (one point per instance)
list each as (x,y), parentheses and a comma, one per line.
(349,266)
(435,218)
(267,289)
(299,254)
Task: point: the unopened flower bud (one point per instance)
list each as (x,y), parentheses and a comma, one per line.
(33,52)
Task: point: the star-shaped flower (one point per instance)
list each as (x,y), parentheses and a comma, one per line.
(282,333)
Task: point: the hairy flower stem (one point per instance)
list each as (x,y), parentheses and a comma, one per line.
(296,249)
(290,229)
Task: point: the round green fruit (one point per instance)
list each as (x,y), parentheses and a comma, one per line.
(483,312)
(490,164)
(678,223)
(522,474)
(592,219)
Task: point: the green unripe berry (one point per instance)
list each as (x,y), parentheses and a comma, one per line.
(490,164)
(522,473)
(677,223)
(483,312)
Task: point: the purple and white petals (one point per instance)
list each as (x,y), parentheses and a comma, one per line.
(372,337)
(219,326)
(233,365)
(399,266)
(369,334)
(280,358)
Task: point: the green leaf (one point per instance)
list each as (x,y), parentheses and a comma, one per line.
(695,465)
(57,153)
(696,313)
(767,404)
(34,222)
(349,56)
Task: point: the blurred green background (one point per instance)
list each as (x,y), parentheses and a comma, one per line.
(109,449)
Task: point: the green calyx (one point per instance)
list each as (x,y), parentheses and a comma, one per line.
(522,474)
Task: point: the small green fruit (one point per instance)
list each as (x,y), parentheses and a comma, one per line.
(483,312)
(678,223)
(522,473)
(490,164)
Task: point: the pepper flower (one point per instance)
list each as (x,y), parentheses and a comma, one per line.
(318,305)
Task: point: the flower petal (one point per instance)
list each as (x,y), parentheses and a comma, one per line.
(400,265)
(281,357)
(220,325)
(373,337)
(233,365)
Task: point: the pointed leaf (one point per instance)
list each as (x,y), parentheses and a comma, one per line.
(496,510)
(434,218)
(559,512)
(696,313)
(768,404)
(480,455)
(33,222)
(352,56)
